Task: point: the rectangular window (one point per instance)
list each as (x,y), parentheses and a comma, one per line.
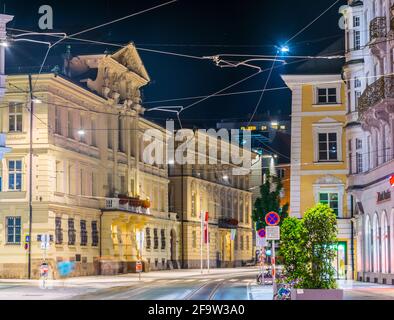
(326,95)
(194,239)
(84,233)
(70,128)
(82,127)
(71,232)
(328,147)
(163,239)
(58,119)
(359,162)
(356,21)
(148,239)
(247,243)
(331,199)
(15,175)
(356,40)
(13,230)
(59,176)
(242,243)
(95,234)
(193,204)
(94,184)
(155,239)
(357,96)
(110,133)
(120,135)
(357,82)
(359,144)
(93,133)
(15,117)
(58,230)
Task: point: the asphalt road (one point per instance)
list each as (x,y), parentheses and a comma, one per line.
(206,287)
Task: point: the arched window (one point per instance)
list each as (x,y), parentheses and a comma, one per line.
(376,244)
(368,245)
(385,241)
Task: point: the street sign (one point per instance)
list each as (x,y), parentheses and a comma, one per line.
(138,267)
(261,233)
(44,269)
(273,233)
(272,219)
(261,242)
(45,241)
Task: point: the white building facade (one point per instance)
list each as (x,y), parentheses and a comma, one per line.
(369,75)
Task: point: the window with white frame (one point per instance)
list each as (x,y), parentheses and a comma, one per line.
(357,82)
(327,96)
(14,226)
(357,96)
(15,175)
(328,147)
(70,127)
(356,21)
(330,199)
(15,117)
(356,39)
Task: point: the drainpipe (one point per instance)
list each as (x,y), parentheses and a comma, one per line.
(30,175)
(100,249)
(352,237)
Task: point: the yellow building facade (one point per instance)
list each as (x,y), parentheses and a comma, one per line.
(92,192)
(319,156)
(196,189)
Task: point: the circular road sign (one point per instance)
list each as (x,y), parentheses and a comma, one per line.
(272,219)
(261,233)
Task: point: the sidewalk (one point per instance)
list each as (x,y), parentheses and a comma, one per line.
(260,292)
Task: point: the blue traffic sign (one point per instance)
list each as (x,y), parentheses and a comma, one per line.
(261,233)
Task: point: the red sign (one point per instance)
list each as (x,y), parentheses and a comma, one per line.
(261,233)
(138,266)
(272,219)
(392,181)
(206,227)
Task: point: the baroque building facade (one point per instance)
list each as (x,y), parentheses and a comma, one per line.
(369,69)
(91,190)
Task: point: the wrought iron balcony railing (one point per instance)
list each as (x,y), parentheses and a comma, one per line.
(378,91)
(378,28)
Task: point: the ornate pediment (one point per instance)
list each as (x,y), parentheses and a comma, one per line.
(129,57)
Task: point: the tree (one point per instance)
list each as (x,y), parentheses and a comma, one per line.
(320,237)
(293,249)
(307,247)
(268,201)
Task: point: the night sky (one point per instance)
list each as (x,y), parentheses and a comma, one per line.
(199,28)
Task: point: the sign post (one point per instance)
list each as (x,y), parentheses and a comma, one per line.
(202,241)
(272,234)
(206,236)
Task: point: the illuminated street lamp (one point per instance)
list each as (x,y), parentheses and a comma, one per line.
(284,49)
(81,132)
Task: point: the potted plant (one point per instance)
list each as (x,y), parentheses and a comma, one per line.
(308,249)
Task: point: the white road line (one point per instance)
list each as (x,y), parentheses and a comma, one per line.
(233,280)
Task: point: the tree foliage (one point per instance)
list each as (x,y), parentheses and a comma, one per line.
(293,249)
(268,201)
(307,246)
